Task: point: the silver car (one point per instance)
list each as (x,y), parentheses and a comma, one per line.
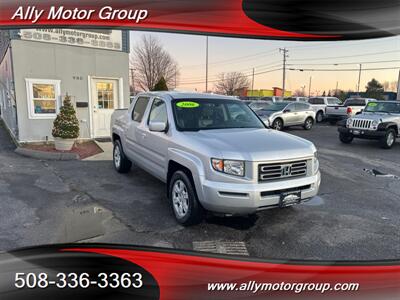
(284,114)
(214,154)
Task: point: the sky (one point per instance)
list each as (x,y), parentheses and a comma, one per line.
(242,55)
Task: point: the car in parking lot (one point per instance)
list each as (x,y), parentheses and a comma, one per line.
(259,104)
(214,154)
(380,121)
(319,105)
(279,115)
(350,107)
(296,99)
(272,98)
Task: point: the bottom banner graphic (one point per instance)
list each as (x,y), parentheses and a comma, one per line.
(94,271)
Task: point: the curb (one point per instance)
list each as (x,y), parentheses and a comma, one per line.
(46,155)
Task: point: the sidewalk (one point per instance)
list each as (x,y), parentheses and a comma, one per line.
(107,148)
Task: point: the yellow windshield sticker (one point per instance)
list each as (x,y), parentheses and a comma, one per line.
(187,104)
(372,104)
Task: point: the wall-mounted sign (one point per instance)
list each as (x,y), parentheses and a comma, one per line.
(94,38)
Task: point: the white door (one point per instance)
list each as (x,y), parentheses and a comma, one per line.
(104,101)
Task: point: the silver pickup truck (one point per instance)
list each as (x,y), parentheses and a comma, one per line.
(214,154)
(350,108)
(380,120)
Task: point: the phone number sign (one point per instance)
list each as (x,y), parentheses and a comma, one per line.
(101,39)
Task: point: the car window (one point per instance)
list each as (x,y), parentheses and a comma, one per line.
(333,101)
(139,109)
(355,102)
(302,106)
(316,101)
(208,114)
(158,111)
(291,107)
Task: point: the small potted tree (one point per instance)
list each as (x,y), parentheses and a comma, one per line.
(65,127)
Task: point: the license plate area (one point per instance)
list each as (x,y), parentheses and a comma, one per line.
(289,198)
(356,132)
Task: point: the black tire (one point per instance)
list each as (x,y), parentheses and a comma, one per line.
(277,124)
(389,139)
(192,213)
(319,117)
(345,138)
(121,163)
(308,123)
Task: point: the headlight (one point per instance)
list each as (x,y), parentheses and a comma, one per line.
(349,122)
(315,163)
(232,167)
(374,123)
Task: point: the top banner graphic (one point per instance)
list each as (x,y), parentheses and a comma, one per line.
(271,19)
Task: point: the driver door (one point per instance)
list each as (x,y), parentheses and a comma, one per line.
(290,115)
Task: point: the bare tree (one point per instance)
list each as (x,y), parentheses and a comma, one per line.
(230,82)
(151,62)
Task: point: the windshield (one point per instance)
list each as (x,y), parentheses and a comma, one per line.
(277,106)
(259,105)
(388,107)
(355,102)
(206,114)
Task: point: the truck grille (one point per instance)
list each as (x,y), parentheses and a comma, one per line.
(282,170)
(361,124)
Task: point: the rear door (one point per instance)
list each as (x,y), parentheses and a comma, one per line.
(135,132)
(290,117)
(155,144)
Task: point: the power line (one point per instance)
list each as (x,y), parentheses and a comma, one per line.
(346,63)
(259,73)
(346,56)
(339,70)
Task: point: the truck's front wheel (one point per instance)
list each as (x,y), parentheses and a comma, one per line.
(345,138)
(183,199)
(121,163)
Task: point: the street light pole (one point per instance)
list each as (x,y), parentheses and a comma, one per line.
(252,82)
(206,63)
(309,88)
(359,78)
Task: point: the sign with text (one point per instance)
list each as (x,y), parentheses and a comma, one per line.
(95,38)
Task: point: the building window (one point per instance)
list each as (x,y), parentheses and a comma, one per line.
(43,98)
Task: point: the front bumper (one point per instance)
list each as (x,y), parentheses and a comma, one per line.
(362,133)
(241,199)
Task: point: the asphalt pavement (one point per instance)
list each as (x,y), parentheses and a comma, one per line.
(355,216)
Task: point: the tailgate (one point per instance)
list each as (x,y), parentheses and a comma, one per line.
(336,110)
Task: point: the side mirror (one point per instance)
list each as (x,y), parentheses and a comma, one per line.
(158,126)
(286,111)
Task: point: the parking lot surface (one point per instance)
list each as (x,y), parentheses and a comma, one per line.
(355,216)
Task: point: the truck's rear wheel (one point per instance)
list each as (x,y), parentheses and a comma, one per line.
(121,163)
(183,199)
(345,138)
(389,139)
(319,117)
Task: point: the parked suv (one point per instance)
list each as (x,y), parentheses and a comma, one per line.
(319,105)
(214,154)
(380,120)
(284,114)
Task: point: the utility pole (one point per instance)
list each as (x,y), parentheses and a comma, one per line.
(337,83)
(359,78)
(206,63)
(309,88)
(133,80)
(252,82)
(175,77)
(285,55)
(398,87)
